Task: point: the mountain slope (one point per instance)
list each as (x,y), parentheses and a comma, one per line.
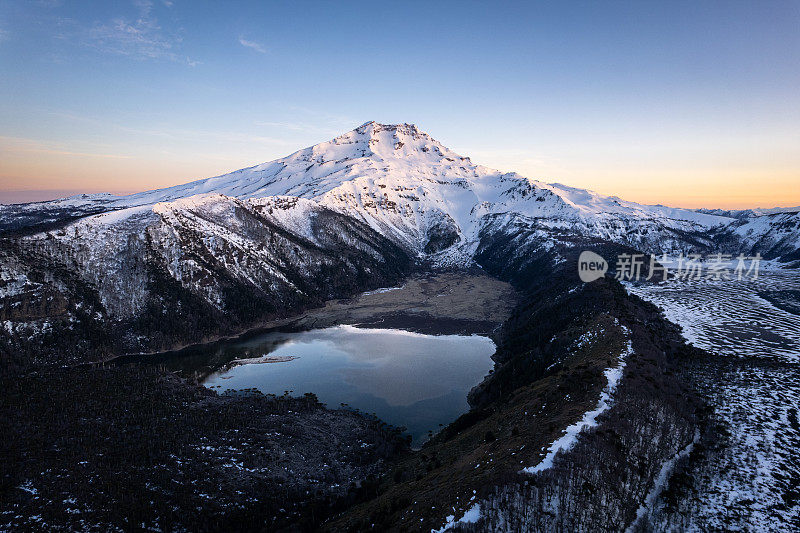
(774,236)
(154,277)
(747,213)
(411,188)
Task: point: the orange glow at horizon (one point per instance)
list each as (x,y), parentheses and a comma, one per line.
(37,172)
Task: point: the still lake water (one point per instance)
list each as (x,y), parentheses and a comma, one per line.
(407,379)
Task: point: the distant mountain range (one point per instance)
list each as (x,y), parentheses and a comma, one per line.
(349,214)
(748,213)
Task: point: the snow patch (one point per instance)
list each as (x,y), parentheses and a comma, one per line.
(472,515)
(381,290)
(570,438)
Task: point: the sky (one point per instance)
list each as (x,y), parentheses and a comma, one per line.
(690,104)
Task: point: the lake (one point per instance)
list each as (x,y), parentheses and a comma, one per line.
(405,378)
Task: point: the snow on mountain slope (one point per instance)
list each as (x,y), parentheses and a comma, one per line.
(396,179)
(411,188)
(152,276)
(773,236)
(98,249)
(268,243)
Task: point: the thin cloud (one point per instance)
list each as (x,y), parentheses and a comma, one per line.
(141,37)
(208,135)
(258,47)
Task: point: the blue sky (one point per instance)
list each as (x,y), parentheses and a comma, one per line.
(686,103)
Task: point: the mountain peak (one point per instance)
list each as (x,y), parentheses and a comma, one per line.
(376,127)
(392,142)
(377,132)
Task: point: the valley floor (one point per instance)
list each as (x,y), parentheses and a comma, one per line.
(434,303)
(444,303)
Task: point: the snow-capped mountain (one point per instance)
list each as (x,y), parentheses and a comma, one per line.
(412,189)
(348,214)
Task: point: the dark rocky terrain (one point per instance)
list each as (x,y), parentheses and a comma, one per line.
(127,449)
(134,432)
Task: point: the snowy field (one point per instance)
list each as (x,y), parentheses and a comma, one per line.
(751,482)
(730,317)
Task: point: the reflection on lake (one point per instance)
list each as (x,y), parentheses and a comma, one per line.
(407,379)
